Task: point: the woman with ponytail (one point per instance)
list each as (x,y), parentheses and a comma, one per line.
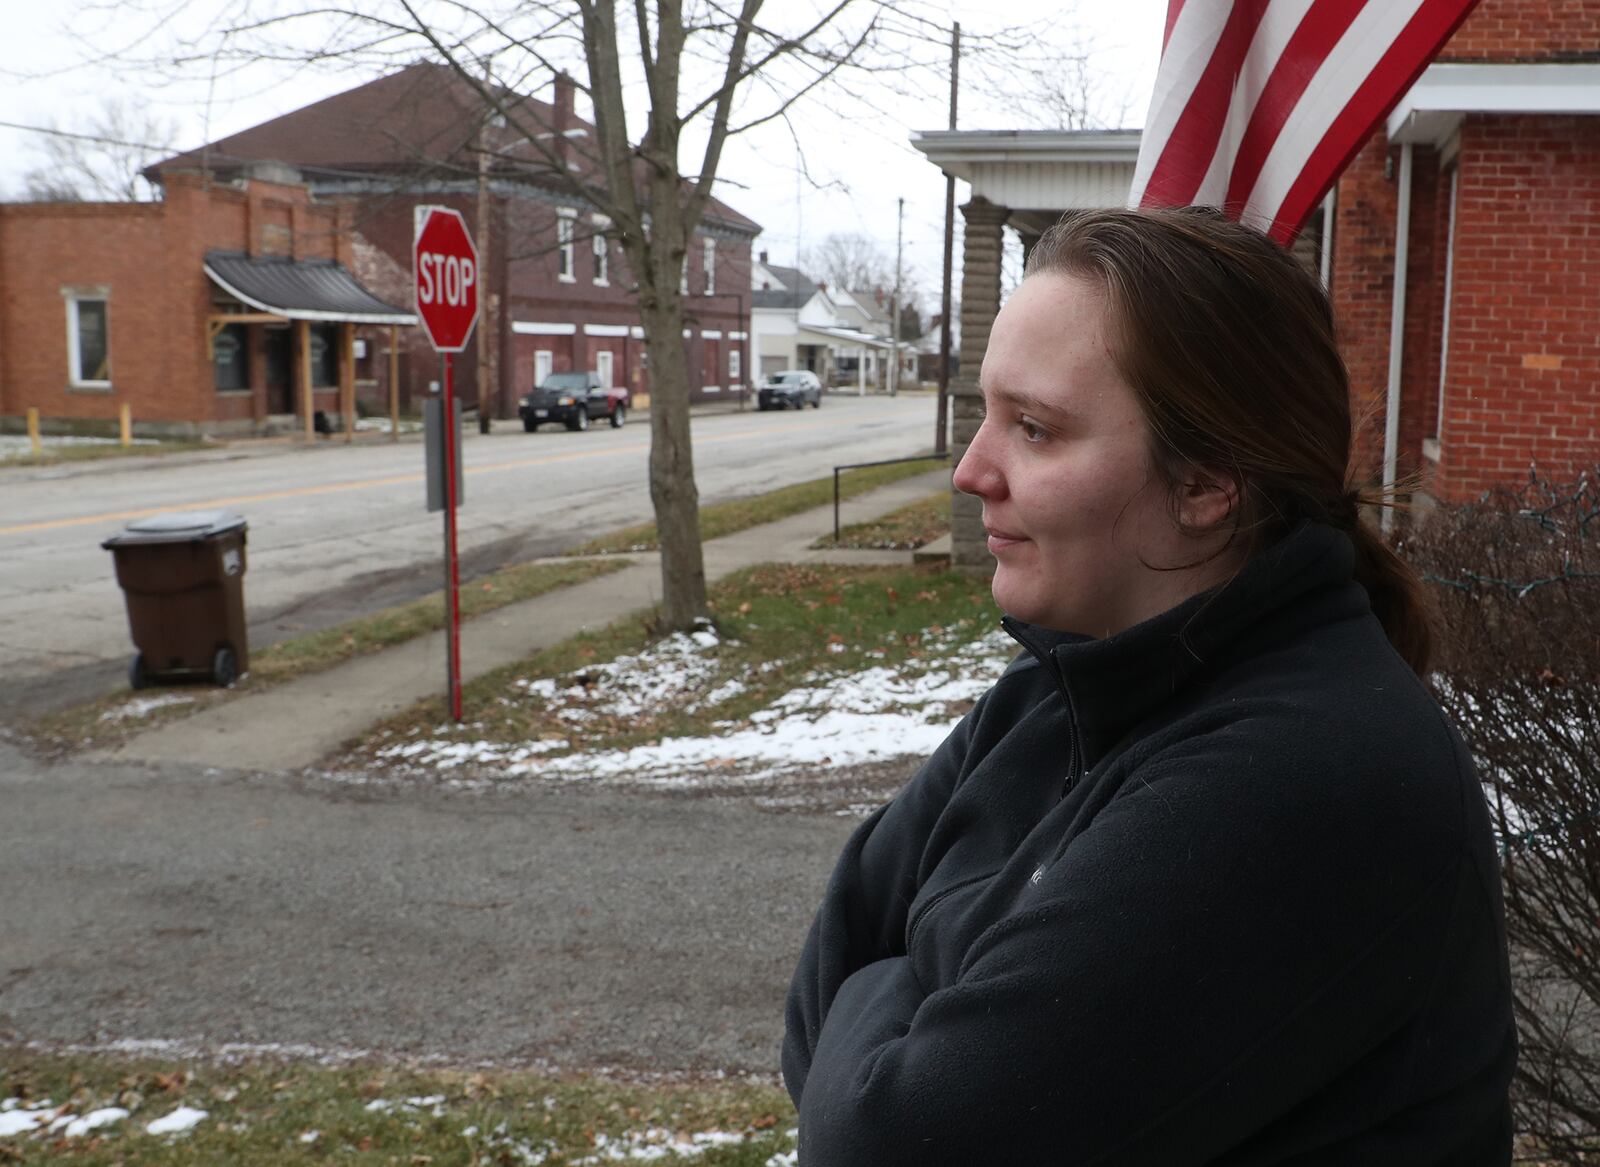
(1206,876)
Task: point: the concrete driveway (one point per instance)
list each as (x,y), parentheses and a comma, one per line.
(544,925)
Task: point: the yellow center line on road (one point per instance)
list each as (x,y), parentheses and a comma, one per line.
(374,483)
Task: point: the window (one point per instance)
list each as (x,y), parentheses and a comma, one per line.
(89,340)
(683,277)
(602,258)
(709,250)
(566,263)
(733,367)
(324,355)
(543,362)
(230,363)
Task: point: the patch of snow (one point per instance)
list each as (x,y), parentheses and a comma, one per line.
(180,1121)
(829,720)
(432,1103)
(94,1120)
(784,1159)
(141,706)
(15,445)
(17,1120)
(310,1136)
(656,1143)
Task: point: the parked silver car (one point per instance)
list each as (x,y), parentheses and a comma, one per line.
(790,389)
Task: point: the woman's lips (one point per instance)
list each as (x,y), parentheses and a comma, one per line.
(1000,540)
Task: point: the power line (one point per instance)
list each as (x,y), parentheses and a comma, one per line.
(98,139)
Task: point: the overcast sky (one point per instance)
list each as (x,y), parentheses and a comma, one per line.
(856,151)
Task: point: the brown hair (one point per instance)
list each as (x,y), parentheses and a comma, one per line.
(1228,343)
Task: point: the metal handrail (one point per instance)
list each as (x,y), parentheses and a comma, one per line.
(942,457)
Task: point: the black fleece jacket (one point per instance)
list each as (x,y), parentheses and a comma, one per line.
(1219,889)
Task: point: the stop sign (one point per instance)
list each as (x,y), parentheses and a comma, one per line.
(445,264)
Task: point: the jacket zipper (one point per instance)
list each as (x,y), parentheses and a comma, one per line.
(934,901)
(1048,663)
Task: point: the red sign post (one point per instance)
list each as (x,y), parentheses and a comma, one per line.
(445,265)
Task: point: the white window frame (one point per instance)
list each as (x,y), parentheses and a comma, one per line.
(708,252)
(74,297)
(602,258)
(735,367)
(567,260)
(605,368)
(544,363)
(683,277)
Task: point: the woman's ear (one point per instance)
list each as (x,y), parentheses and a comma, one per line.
(1206,497)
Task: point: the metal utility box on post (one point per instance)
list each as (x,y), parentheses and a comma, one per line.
(183,578)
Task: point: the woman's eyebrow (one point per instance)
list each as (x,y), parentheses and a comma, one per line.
(1029,402)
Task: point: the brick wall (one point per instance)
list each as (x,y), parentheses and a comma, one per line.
(1362,291)
(1528,30)
(1525,319)
(149,257)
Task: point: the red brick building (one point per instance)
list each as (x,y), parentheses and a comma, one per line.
(214,310)
(556,293)
(1494,159)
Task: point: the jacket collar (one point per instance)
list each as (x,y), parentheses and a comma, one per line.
(1303,580)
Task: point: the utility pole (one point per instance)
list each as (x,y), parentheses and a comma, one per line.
(894,327)
(488,366)
(941,431)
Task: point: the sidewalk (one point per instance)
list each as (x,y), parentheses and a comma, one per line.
(298,723)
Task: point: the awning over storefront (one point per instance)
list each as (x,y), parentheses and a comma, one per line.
(300,289)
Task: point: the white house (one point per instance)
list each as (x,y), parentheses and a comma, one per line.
(796,323)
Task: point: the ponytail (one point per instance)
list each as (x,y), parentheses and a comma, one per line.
(1396,593)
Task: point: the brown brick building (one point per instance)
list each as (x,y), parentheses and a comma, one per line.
(105,305)
(555,293)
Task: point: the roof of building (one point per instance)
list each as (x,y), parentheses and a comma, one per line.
(796,290)
(300,289)
(425,121)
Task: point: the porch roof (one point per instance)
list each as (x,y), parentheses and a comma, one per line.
(841,337)
(300,289)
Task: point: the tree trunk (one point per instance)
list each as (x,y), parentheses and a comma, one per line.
(672,488)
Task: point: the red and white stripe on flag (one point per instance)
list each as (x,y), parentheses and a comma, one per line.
(1260,104)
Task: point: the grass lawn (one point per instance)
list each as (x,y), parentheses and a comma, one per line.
(908,528)
(781,630)
(726,518)
(112,717)
(271,1113)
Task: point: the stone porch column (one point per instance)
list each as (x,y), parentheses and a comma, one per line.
(980,302)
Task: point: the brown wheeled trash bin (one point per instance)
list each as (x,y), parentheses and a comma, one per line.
(183,576)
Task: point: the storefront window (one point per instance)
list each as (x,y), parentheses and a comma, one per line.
(324,355)
(230,359)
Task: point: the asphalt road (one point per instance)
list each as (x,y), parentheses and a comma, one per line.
(336,530)
(543,926)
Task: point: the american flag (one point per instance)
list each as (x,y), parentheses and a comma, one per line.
(1260,104)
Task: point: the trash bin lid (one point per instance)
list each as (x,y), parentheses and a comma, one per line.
(178,527)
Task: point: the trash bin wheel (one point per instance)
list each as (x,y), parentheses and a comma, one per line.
(138,675)
(224,667)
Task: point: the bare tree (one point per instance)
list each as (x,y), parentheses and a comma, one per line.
(849,260)
(1516,580)
(101,159)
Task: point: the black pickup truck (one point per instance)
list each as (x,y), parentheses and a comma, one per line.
(574,399)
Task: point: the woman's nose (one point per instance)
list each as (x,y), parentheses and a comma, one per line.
(976,473)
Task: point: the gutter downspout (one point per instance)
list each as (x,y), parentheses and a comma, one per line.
(1326,265)
(1397,329)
